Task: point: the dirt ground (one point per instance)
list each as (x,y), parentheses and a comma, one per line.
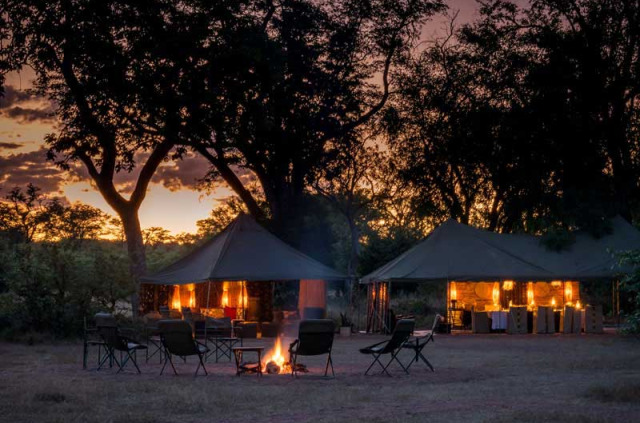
(484,378)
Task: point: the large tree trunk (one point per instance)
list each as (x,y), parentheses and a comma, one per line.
(136,251)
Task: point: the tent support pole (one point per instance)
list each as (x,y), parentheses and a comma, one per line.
(205,317)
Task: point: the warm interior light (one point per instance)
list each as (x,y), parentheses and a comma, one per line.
(556,284)
(507,285)
(578,305)
(553,301)
(175,302)
(225,297)
(568,293)
(453,291)
(530,293)
(496,294)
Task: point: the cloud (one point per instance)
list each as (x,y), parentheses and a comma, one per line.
(182,174)
(18,170)
(14,96)
(25,107)
(10,145)
(29,115)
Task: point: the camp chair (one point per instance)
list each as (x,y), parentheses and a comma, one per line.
(115,341)
(315,337)
(177,339)
(418,343)
(152,335)
(91,338)
(400,335)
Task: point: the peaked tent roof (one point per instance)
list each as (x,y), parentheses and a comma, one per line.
(455,251)
(244,250)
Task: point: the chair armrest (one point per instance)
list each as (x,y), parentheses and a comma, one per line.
(293,345)
(379,343)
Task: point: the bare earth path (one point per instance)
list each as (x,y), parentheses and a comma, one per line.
(483,378)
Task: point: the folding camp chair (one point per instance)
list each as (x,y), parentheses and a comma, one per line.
(152,335)
(117,342)
(315,337)
(400,335)
(91,338)
(177,339)
(418,343)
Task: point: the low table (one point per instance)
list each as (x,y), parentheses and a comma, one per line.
(248,367)
(222,346)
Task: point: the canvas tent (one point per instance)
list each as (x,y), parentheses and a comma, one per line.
(243,252)
(454,251)
(457,252)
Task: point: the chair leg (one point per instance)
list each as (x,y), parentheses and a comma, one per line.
(329,363)
(294,371)
(395,357)
(134,360)
(201,364)
(375,360)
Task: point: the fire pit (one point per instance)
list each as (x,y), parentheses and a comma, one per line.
(276,363)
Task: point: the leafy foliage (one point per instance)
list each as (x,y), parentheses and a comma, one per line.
(630,284)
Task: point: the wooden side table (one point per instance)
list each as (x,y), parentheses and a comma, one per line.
(248,367)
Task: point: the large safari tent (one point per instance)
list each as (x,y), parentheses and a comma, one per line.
(233,275)
(487,271)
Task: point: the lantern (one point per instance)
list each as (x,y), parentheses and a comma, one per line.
(507,285)
(530,293)
(496,294)
(225,297)
(578,305)
(553,302)
(568,293)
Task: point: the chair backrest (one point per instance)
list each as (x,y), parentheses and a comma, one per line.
(401,333)
(105,320)
(316,336)
(177,337)
(164,312)
(112,338)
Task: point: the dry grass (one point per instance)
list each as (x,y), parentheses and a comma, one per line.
(493,378)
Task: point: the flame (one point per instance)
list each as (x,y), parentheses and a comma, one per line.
(275,355)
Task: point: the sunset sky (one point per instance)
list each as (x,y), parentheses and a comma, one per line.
(173,201)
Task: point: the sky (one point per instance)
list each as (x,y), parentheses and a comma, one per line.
(173,200)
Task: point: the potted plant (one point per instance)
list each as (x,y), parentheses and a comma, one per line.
(345,325)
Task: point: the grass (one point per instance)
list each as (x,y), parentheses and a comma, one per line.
(484,378)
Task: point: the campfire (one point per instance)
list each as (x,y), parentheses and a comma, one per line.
(275,362)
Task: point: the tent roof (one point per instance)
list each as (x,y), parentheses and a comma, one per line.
(454,251)
(244,250)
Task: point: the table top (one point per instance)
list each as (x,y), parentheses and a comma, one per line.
(247,348)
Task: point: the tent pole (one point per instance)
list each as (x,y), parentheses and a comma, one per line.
(205,317)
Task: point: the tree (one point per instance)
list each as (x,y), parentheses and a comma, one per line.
(509,122)
(301,86)
(23,214)
(123,76)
